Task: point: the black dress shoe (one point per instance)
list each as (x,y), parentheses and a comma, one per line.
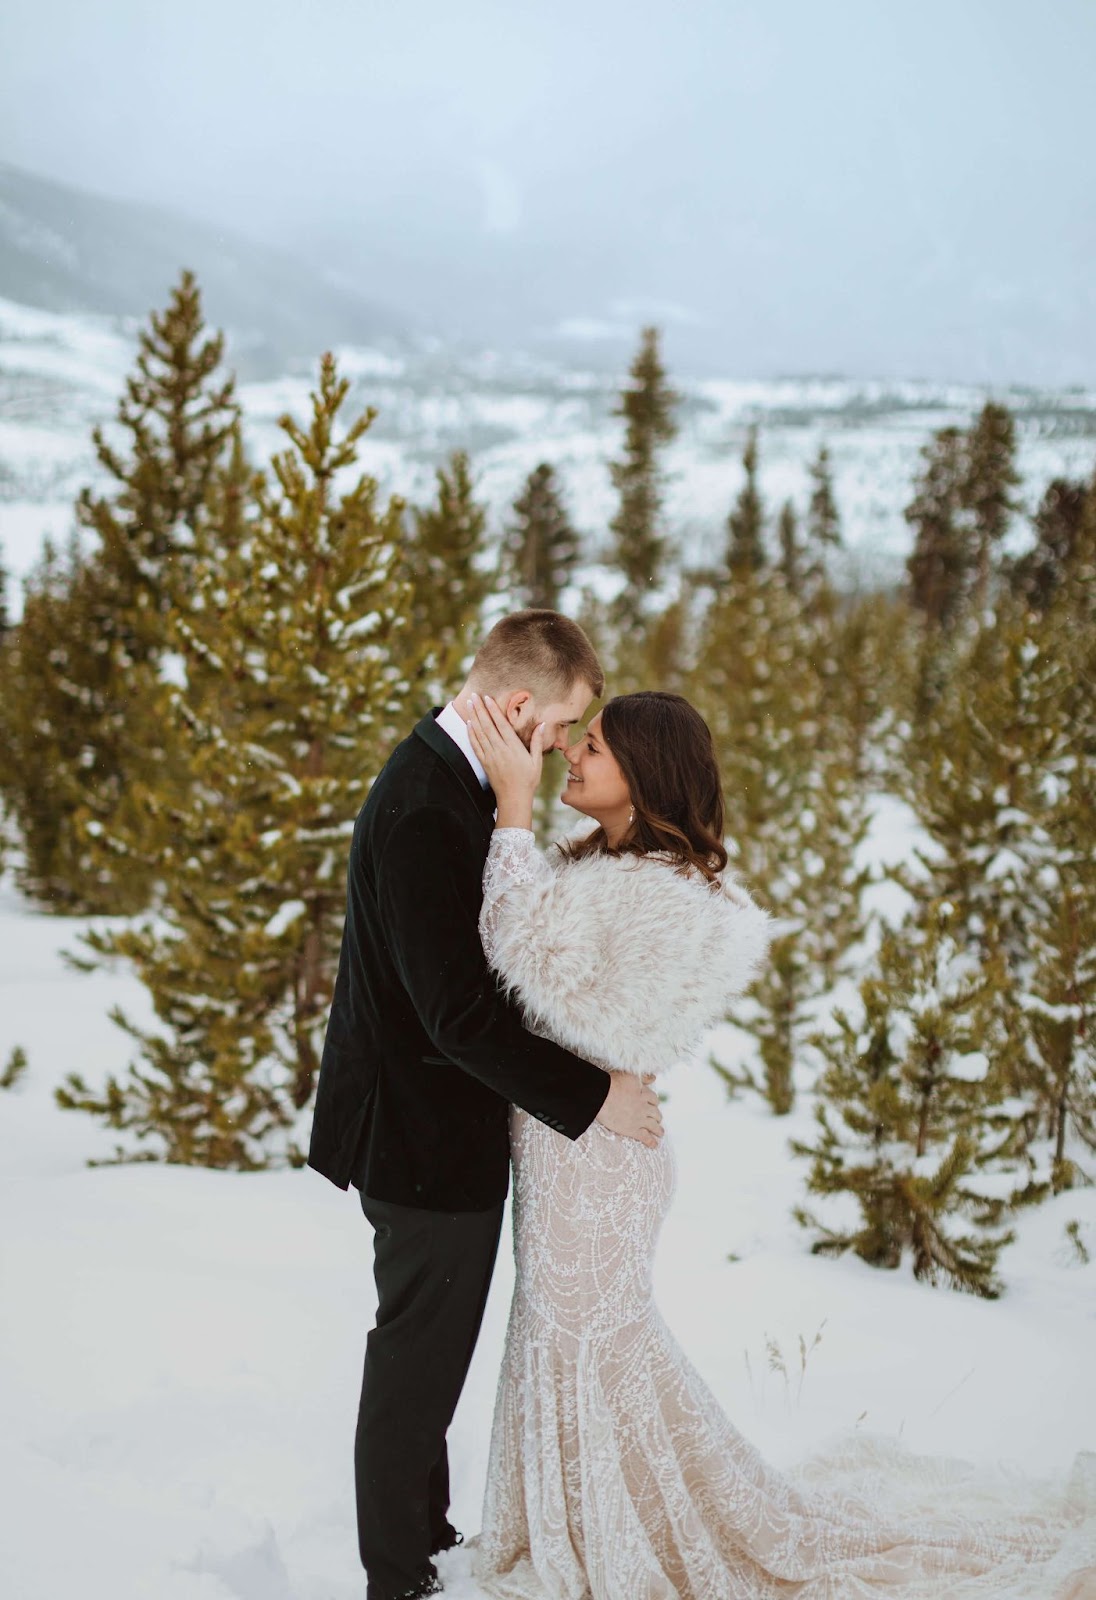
(431,1584)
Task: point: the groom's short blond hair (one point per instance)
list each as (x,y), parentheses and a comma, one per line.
(542,651)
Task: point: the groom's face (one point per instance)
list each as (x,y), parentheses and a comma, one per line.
(558,716)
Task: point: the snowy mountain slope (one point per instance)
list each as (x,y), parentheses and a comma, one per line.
(60,373)
(65,249)
(180,1350)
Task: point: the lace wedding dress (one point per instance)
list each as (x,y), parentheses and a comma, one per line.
(613,1472)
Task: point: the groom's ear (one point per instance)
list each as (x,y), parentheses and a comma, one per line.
(516,704)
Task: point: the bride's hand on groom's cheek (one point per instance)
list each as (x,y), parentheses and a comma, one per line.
(511,768)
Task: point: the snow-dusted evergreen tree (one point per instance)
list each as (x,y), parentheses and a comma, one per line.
(293,640)
(746,519)
(987,497)
(939,564)
(646,406)
(43,734)
(823,519)
(1060,1008)
(977,779)
(815,884)
(791,550)
(5,746)
(915,1121)
(1037,575)
(999,776)
(541,547)
(796,812)
(178,416)
(1059,998)
(95,696)
(871,693)
(442,562)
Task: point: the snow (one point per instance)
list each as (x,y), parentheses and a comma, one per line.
(286,914)
(180,1350)
(971,1067)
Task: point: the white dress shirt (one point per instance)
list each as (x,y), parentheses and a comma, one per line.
(451,721)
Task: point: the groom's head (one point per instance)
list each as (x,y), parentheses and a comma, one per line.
(538,666)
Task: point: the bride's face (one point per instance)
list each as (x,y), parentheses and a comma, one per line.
(595,784)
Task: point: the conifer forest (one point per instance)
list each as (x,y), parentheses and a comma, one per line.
(199,689)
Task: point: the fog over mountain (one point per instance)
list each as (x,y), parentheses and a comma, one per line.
(787,188)
(63,249)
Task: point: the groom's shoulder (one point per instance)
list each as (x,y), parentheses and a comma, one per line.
(413,779)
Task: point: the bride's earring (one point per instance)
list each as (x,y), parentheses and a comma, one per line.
(631,814)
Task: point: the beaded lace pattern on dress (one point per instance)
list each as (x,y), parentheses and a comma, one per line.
(614,1474)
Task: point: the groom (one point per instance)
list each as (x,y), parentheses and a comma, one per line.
(422,1057)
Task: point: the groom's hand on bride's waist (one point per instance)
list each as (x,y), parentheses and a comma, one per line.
(632,1109)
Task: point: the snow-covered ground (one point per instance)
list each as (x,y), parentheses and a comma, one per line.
(59,374)
(180,1350)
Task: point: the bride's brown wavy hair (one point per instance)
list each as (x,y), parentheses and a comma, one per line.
(664,750)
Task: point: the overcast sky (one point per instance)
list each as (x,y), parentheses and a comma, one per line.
(861,186)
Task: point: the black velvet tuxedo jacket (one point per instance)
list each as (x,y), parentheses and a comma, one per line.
(423,1051)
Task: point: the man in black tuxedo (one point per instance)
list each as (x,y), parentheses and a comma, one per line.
(422,1057)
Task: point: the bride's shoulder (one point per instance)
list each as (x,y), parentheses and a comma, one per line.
(720,896)
(658,867)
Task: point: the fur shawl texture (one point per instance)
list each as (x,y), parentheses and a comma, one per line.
(618,958)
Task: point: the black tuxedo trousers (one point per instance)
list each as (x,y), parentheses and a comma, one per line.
(433,1271)
(423,1055)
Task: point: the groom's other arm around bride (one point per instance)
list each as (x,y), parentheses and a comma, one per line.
(422,1057)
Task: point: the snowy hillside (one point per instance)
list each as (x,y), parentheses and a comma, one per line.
(60,373)
(69,249)
(180,1350)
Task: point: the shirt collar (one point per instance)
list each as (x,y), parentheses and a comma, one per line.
(454,725)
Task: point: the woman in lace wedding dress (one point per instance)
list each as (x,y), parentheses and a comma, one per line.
(614,1474)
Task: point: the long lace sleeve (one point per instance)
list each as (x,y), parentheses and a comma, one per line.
(513,863)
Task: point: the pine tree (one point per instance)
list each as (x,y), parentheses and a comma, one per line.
(47,661)
(1060,1008)
(939,565)
(913,1116)
(646,405)
(293,641)
(746,520)
(1059,997)
(987,488)
(1000,781)
(1077,597)
(981,777)
(791,551)
(1037,575)
(871,694)
(179,413)
(442,563)
(541,548)
(6,756)
(796,812)
(97,693)
(823,521)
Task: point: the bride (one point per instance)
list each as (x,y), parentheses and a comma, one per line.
(613,1474)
